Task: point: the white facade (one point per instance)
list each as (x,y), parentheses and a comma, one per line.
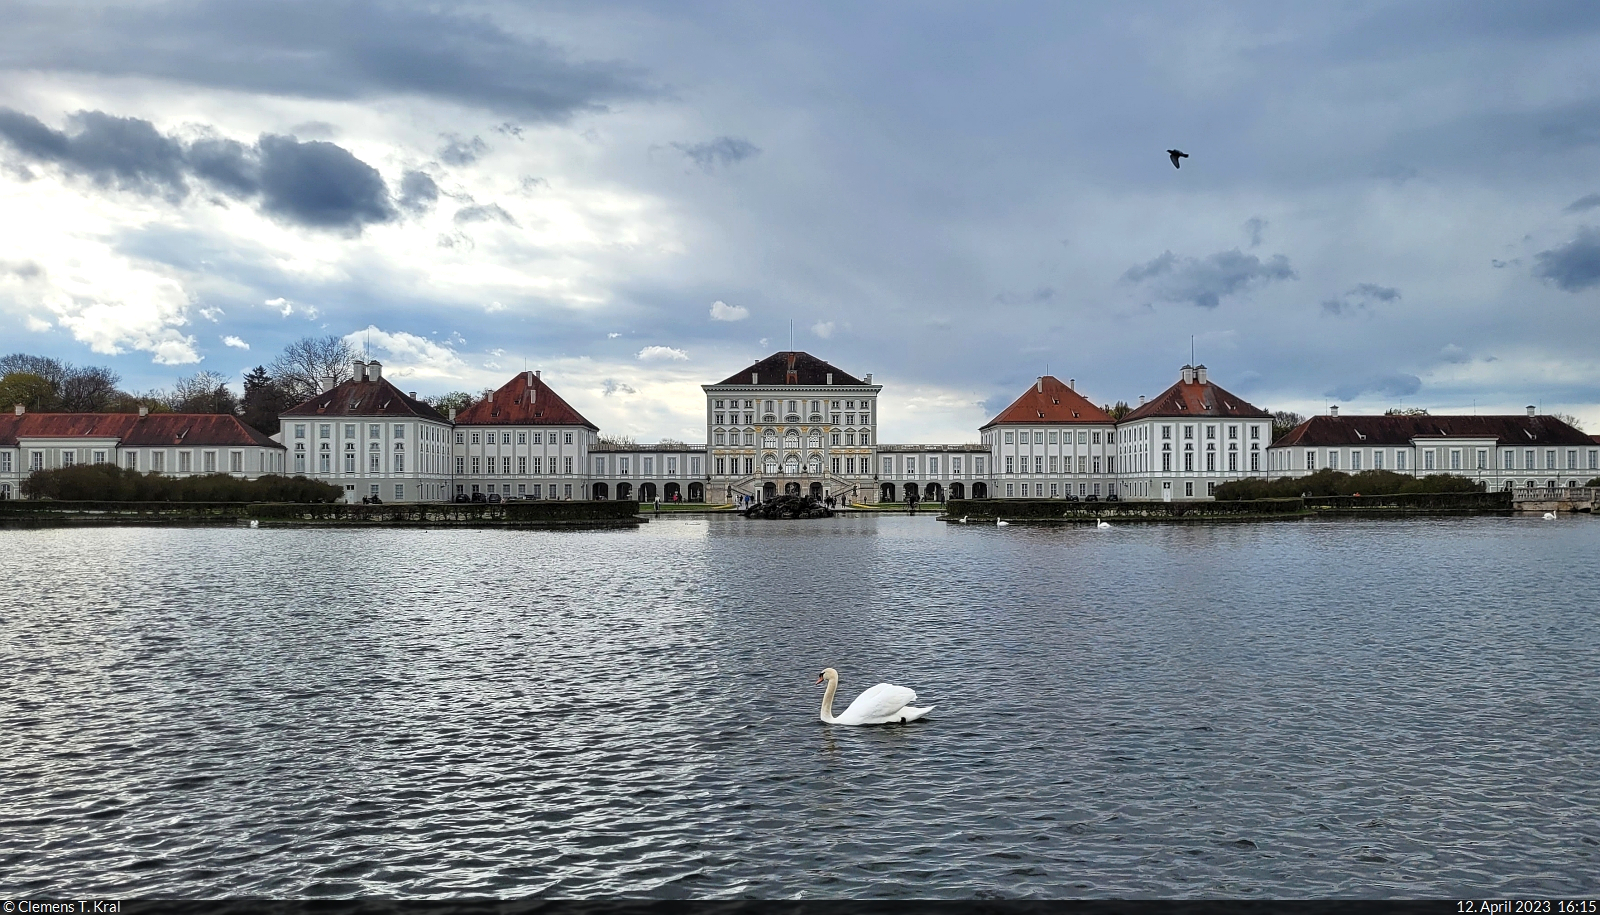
(934,472)
(1054,461)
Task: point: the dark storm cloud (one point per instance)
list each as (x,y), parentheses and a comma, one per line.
(484,212)
(1574,266)
(320,184)
(1204,281)
(329,49)
(722,151)
(127,153)
(418,192)
(1393,384)
(457,151)
(315,183)
(1587,202)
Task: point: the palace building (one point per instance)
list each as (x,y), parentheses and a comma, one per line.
(794,424)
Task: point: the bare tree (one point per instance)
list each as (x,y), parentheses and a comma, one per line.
(202,392)
(89,389)
(616,440)
(299,369)
(1569,419)
(1283,421)
(50,370)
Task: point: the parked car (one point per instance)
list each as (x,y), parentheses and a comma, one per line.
(494,497)
(1091,497)
(1071,498)
(479,497)
(1113,498)
(462,497)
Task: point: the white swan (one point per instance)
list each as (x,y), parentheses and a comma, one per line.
(882,704)
(1101,524)
(1002,524)
(963,519)
(1549,516)
(254,523)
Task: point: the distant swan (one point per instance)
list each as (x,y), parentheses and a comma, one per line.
(963,519)
(1549,516)
(254,523)
(1101,524)
(1002,524)
(882,704)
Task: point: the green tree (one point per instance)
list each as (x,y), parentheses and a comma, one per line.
(1119,409)
(455,400)
(263,401)
(36,394)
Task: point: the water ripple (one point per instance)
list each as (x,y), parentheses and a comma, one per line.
(1332,709)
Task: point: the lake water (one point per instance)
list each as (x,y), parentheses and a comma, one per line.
(1399,708)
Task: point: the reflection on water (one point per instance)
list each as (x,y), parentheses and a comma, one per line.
(1351,709)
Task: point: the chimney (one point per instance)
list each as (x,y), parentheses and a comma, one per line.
(1334,411)
(529,378)
(143,410)
(869,378)
(830,378)
(452,414)
(1072,383)
(1040,386)
(20,409)
(536,373)
(1200,374)
(491,397)
(412,395)
(1187,374)
(327,383)
(1531,411)
(1141,400)
(755,378)
(374,371)
(361,370)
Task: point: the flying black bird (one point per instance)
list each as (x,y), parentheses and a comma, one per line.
(1175,155)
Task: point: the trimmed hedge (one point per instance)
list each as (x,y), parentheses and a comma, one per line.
(110,483)
(538,512)
(1334,483)
(1058,510)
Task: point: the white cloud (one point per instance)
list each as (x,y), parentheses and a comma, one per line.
(612,336)
(663,353)
(410,355)
(494,307)
(823,329)
(234,342)
(212,314)
(288,308)
(38,325)
(721,311)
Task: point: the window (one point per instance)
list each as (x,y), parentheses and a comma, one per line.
(888,466)
(977,466)
(399,491)
(1054,463)
(1166,432)
(209,461)
(600,466)
(749,466)
(1233,432)
(461,465)
(300,430)
(325,430)
(1188,432)
(185,461)
(1311,459)
(1052,436)
(522,466)
(622,467)
(538,463)
(1083,437)
(955,465)
(1188,461)
(1594,460)
(1038,464)
(1377,460)
(1010,489)
(566,467)
(477,466)
(1255,460)
(863,438)
(1483,460)
(1400,460)
(474,438)
(236,462)
(129,460)
(349,430)
(522,438)
(505,438)
(1097,466)
(1233,461)
(836,465)
(1527,460)
(1008,437)
(399,459)
(538,438)
(1572,460)
(1010,464)
(1188,489)
(1211,461)
(1427,459)
(1166,462)
(399,432)
(1094,438)
(1355,461)
(458,438)
(1455,458)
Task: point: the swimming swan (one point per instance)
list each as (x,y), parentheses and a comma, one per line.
(1002,524)
(1549,516)
(1101,524)
(882,704)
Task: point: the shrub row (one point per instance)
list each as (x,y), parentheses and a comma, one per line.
(110,483)
(1334,483)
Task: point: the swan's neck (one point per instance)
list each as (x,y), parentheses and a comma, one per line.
(827,701)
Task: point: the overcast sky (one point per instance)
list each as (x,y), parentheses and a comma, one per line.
(1384,203)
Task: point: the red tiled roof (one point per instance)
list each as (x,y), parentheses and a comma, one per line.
(1196,399)
(1400,430)
(132,430)
(1048,400)
(365,398)
(525,400)
(795,368)
(170,429)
